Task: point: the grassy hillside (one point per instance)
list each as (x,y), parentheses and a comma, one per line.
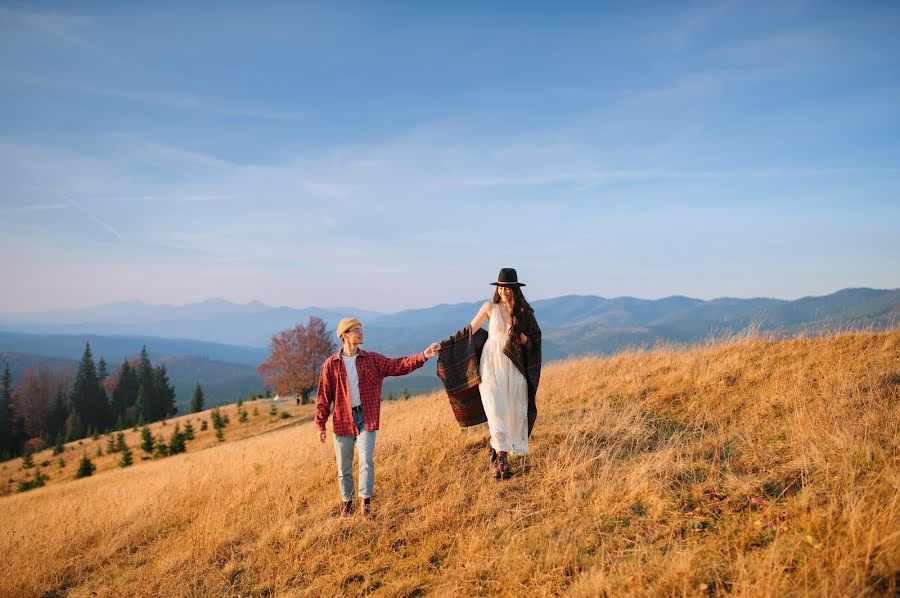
(753,467)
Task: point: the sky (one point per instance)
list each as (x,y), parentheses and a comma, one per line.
(396,155)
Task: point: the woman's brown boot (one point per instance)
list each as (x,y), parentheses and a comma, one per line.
(503,466)
(495,463)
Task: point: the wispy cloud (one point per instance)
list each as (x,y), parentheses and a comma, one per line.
(35,208)
(58,26)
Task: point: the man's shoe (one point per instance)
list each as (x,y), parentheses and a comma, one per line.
(347,509)
(366,510)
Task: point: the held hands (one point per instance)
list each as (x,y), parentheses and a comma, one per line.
(432,350)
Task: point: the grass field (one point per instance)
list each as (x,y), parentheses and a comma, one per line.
(747,467)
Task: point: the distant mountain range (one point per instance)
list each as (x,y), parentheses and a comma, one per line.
(229,333)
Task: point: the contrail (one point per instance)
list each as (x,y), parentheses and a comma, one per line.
(96,219)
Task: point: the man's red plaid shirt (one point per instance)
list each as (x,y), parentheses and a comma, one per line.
(333,392)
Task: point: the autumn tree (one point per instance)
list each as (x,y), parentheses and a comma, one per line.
(296,357)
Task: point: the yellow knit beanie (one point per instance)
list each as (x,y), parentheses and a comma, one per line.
(346,324)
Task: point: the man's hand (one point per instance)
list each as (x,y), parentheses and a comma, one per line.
(432,350)
(321,435)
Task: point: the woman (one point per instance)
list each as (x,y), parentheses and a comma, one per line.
(510,369)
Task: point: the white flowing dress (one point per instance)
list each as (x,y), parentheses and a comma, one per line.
(504,391)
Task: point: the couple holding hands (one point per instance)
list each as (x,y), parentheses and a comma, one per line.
(490,377)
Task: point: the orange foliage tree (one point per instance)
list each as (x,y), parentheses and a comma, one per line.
(296,358)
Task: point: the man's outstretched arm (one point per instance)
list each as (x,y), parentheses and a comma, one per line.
(401,366)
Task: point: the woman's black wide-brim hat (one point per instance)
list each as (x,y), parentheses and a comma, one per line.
(508,278)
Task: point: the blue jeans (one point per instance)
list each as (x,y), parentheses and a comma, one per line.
(343,452)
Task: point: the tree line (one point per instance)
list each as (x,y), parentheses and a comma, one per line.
(93,402)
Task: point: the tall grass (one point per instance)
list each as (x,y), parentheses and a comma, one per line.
(750,467)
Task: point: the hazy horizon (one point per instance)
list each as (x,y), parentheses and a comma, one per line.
(364,308)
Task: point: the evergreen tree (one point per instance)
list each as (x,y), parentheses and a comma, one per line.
(27,460)
(85,468)
(203,426)
(143,406)
(125,393)
(197,399)
(146,440)
(87,397)
(188,431)
(177,441)
(6,414)
(160,448)
(219,435)
(74,429)
(111,444)
(127,458)
(101,370)
(166,392)
(120,442)
(146,379)
(55,423)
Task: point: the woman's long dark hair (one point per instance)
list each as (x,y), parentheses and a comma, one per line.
(519,307)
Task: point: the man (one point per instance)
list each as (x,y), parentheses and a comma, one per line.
(350,385)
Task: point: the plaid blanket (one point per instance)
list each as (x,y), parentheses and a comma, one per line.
(527,358)
(457,367)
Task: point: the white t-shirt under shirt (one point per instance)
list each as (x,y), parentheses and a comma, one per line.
(352,379)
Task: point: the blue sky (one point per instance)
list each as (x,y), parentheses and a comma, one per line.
(394,157)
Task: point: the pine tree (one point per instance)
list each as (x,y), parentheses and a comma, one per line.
(176,441)
(160,448)
(197,399)
(203,426)
(74,429)
(188,431)
(219,435)
(27,461)
(120,442)
(125,393)
(87,397)
(127,458)
(85,468)
(146,379)
(166,392)
(143,406)
(110,444)
(6,413)
(101,370)
(56,417)
(146,440)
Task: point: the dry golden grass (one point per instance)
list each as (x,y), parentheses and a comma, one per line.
(751,467)
(11,472)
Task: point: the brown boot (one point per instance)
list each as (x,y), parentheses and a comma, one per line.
(347,509)
(495,463)
(366,510)
(503,466)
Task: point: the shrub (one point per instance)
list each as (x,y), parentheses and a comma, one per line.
(85,468)
(27,461)
(203,426)
(37,482)
(127,458)
(284,415)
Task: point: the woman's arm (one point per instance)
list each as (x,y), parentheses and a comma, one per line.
(480,318)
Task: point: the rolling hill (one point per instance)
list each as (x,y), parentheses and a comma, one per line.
(752,466)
